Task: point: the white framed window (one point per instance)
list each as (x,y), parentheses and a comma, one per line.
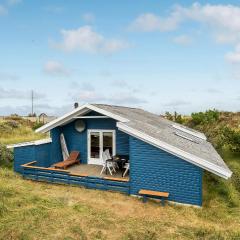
(98,141)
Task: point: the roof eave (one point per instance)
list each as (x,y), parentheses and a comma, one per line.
(76,112)
(224,173)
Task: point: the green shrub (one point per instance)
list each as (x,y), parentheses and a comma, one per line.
(174,117)
(207,117)
(169,116)
(6,156)
(232,138)
(37,125)
(5,128)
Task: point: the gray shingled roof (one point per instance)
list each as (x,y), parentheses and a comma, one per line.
(162,129)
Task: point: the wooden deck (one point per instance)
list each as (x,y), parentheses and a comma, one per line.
(94,170)
(87,176)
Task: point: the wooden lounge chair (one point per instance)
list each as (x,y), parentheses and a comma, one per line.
(72,159)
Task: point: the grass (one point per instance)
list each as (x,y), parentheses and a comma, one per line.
(21,132)
(36,210)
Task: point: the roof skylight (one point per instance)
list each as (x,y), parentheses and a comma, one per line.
(193,133)
(185,137)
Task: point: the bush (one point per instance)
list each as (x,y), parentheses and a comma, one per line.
(6,156)
(169,116)
(5,128)
(37,125)
(207,117)
(14,117)
(174,117)
(12,123)
(232,139)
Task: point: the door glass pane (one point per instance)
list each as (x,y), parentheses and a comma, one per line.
(95,144)
(108,142)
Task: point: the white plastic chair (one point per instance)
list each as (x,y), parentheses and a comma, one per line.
(127,168)
(109,157)
(106,164)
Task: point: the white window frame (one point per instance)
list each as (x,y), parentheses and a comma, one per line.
(100,131)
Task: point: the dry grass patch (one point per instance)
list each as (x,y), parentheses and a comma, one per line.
(34,210)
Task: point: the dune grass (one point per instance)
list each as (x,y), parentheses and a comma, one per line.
(36,210)
(18,131)
(25,134)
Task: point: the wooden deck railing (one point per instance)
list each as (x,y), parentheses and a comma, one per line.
(66,177)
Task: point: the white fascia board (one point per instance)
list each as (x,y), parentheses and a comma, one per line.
(176,151)
(57,122)
(76,112)
(194,133)
(107,113)
(37,142)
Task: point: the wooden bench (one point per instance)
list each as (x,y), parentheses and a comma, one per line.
(148,193)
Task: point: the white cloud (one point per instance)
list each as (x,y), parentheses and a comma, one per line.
(88,96)
(221,17)
(183,40)
(56,69)
(126,98)
(5,7)
(82,86)
(222,20)
(176,103)
(3,10)
(24,110)
(18,94)
(8,77)
(149,22)
(213,90)
(87,40)
(234,57)
(88,17)
(92,96)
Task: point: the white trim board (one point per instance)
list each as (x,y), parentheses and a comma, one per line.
(176,151)
(32,143)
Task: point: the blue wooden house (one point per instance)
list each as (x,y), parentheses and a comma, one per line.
(163,155)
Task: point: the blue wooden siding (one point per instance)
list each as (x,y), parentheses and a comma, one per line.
(47,154)
(154,169)
(55,176)
(25,154)
(78,141)
(122,143)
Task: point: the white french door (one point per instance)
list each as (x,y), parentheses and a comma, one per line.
(99,141)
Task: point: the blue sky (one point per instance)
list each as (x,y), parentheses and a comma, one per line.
(158,55)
